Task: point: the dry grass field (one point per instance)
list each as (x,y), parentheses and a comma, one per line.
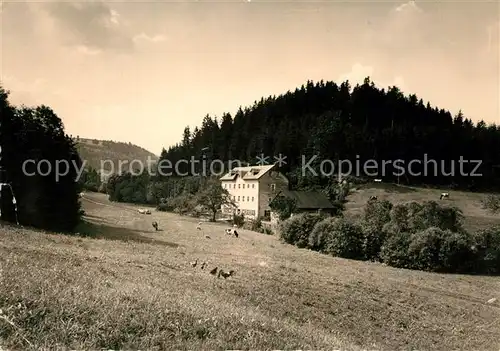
(126,286)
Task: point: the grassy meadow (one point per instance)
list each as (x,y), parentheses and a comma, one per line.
(123,285)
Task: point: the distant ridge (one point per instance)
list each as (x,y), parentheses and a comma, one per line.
(93,151)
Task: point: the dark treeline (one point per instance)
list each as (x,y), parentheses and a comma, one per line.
(36,134)
(144,189)
(335,123)
(90,180)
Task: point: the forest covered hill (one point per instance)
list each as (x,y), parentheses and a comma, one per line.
(330,121)
(94,152)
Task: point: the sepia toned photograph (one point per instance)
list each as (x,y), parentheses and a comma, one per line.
(250,175)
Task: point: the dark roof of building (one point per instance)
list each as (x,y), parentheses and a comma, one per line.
(308,199)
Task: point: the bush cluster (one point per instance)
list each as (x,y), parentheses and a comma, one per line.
(182,204)
(422,236)
(296,230)
(256,225)
(239,220)
(492,203)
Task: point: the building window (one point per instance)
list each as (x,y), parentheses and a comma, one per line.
(248,198)
(239,186)
(238,198)
(234,198)
(253,186)
(252,199)
(273,187)
(243,198)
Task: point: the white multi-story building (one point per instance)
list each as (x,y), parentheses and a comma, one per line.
(252,188)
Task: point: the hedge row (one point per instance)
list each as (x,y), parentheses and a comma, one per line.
(423,236)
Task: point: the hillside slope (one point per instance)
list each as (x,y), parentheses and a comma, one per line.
(127,286)
(99,153)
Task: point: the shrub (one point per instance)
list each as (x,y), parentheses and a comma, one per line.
(424,249)
(398,219)
(337,237)
(264,230)
(431,214)
(181,204)
(319,235)
(283,206)
(491,203)
(338,191)
(256,224)
(457,252)
(394,251)
(373,239)
(439,250)
(296,230)
(377,213)
(413,217)
(432,249)
(338,207)
(239,220)
(102,188)
(198,211)
(487,250)
(267,231)
(163,207)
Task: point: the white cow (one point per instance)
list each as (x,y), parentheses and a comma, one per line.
(232,231)
(444,196)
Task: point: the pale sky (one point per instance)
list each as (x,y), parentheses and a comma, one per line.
(142,71)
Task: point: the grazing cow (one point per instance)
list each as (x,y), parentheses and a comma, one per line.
(232,231)
(373,197)
(198,226)
(155,225)
(225,274)
(444,196)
